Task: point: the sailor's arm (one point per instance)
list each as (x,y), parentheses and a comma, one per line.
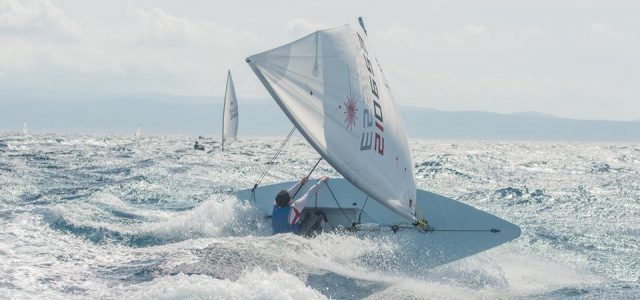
(299,204)
(294,189)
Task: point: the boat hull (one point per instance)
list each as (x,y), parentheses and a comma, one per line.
(457,230)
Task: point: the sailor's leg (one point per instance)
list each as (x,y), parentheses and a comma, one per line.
(313,223)
(322,220)
(307,223)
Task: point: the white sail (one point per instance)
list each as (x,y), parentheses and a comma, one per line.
(229,113)
(25,129)
(332,88)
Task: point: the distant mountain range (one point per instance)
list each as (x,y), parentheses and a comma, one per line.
(518,126)
(162,114)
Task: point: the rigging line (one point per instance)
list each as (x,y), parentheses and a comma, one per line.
(300,187)
(362,208)
(270,163)
(494,230)
(338,203)
(281,56)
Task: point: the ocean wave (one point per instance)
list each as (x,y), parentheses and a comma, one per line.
(6,167)
(433,168)
(596,167)
(105,219)
(616,290)
(252,284)
(56,195)
(523,195)
(86,216)
(340,261)
(536,163)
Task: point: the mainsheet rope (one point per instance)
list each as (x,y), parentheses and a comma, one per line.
(308,175)
(270,163)
(338,203)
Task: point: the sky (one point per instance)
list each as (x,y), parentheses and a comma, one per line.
(572,59)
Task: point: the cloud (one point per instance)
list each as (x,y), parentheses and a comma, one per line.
(36,33)
(473,29)
(462,36)
(534,30)
(399,36)
(155,27)
(35,18)
(455,40)
(299,27)
(600,29)
(149,49)
(16,55)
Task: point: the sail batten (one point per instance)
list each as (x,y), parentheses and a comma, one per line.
(331,87)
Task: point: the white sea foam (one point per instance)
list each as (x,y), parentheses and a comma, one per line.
(210,219)
(217,216)
(112,217)
(253,284)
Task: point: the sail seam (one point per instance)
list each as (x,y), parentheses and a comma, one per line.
(308,77)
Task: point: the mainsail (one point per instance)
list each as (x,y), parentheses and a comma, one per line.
(332,88)
(229,113)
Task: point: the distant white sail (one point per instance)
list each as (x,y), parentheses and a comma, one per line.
(229,113)
(332,88)
(25,129)
(138,133)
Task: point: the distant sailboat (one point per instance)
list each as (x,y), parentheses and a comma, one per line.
(138,133)
(229,113)
(25,129)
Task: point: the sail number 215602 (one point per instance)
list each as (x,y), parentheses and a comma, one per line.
(372,135)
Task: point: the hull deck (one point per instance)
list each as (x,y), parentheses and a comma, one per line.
(457,229)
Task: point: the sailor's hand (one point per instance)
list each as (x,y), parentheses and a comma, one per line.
(324,178)
(304,180)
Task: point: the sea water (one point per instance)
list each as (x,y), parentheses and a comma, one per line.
(90,216)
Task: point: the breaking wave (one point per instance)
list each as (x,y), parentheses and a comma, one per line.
(86,216)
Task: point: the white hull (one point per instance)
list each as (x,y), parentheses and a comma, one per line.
(457,230)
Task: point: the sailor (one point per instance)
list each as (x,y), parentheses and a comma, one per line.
(287,214)
(198,146)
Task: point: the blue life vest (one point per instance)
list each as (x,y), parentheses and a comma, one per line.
(280,220)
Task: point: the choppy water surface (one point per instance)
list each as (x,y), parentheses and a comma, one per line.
(123,217)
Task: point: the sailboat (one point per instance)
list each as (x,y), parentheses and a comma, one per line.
(229,113)
(138,133)
(332,88)
(25,129)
